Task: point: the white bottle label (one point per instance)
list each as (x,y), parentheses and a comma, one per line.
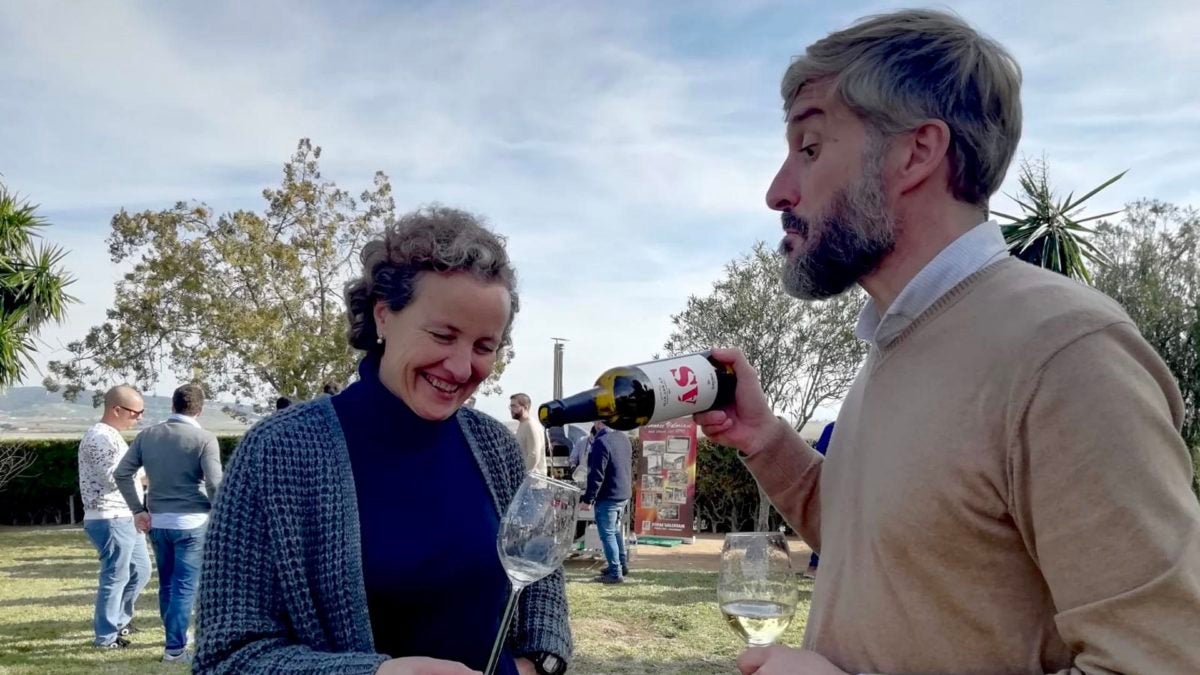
(683,386)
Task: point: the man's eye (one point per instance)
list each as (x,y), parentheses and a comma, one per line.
(810,150)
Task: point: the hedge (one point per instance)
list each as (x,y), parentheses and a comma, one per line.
(44,492)
(726,497)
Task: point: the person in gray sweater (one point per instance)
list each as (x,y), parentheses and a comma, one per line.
(183,463)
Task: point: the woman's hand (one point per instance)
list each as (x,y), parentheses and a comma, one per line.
(420,665)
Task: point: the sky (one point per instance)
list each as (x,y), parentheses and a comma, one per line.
(623,149)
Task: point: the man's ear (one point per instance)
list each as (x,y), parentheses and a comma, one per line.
(921,152)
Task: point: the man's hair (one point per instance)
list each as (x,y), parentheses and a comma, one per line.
(522,400)
(121,392)
(898,70)
(282,402)
(330,388)
(188,400)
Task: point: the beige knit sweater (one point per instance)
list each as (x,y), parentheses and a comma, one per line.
(1006,492)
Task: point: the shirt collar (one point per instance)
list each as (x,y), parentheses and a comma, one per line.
(186,419)
(974,250)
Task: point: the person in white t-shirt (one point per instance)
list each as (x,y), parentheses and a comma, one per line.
(530,433)
(108,521)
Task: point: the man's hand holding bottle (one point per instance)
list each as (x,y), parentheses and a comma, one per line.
(748,423)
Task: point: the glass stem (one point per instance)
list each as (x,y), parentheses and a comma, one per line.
(505,622)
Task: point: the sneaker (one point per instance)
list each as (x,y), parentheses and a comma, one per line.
(609,579)
(119,643)
(624,570)
(182,656)
(128,629)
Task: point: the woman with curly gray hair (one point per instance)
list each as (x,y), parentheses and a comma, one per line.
(357,533)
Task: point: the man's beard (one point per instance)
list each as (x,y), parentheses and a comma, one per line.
(844,244)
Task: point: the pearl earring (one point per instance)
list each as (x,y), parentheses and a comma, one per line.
(379,340)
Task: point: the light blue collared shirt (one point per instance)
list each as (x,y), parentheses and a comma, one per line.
(976,249)
(180,417)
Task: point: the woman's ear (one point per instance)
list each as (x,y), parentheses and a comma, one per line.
(381,313)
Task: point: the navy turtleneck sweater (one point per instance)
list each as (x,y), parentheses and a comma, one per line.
(433,578)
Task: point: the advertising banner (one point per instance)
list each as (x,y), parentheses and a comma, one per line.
(666,493)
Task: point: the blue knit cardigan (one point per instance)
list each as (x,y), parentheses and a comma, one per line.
(281,589)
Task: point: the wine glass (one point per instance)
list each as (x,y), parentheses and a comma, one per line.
(536,534)
(757,589)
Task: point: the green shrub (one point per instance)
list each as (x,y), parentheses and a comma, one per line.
(45,492)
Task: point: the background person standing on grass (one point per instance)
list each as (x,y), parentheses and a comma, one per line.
(108,521)
(530,433)
(183,462)
(609,488)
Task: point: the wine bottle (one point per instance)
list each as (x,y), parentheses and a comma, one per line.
(631,396)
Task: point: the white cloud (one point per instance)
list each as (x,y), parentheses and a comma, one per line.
(623,149)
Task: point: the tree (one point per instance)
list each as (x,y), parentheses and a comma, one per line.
(1154,273)
(15,458)
(1049,233)
(242,303)
(805,353)
(32,285)
(725,494)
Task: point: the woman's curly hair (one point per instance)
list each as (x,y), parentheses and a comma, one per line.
(431,239)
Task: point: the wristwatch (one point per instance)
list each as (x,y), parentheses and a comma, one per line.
(547,663)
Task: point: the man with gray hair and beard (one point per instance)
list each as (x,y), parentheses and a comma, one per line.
(1008,421)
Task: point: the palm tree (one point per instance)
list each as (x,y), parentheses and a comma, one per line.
(32,285)
(1049,234)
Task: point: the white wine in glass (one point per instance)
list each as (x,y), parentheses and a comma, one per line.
(535,537)
(757,589)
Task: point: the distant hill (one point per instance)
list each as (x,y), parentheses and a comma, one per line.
(33,411)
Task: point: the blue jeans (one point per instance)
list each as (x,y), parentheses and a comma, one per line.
(178,553)
(608,524)
(124,571)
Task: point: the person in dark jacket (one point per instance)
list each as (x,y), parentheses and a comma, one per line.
(609,487)
(820,446)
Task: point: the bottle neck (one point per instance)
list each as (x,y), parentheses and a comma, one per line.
(574,409)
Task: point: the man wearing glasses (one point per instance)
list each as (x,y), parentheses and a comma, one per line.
(107,520)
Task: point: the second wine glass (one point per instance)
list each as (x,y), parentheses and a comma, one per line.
(757,589)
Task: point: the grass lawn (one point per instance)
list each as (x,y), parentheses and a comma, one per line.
(659,622)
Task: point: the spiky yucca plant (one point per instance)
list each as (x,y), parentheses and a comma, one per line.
(1050,233)
(32,285)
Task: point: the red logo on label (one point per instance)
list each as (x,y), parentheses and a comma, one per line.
(685,377)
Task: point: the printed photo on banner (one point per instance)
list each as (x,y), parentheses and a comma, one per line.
(677,479)
(675,496)
(654,462)
(650,482)
(668,512)
(676,461)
